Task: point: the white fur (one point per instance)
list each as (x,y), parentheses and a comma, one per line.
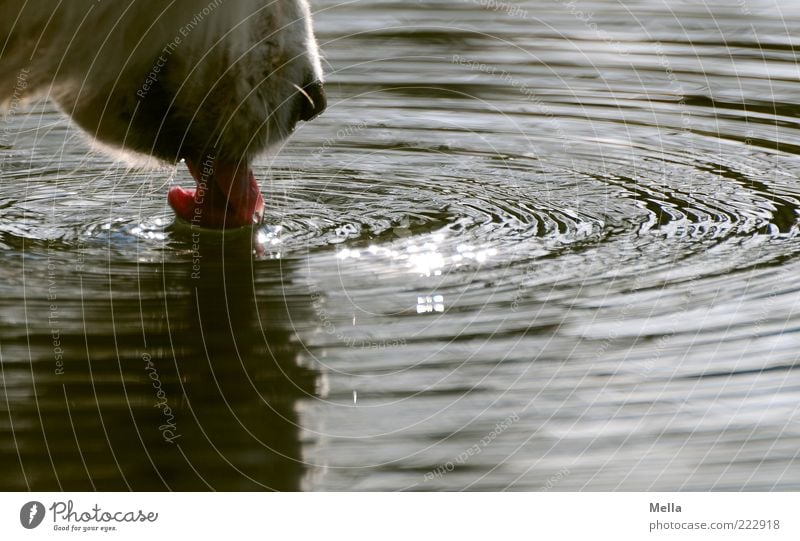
(226,80)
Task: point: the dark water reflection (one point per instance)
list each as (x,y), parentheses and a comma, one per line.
(212,337)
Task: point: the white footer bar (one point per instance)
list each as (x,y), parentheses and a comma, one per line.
(389,516)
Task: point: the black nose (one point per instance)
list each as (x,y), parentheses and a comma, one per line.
(312,101)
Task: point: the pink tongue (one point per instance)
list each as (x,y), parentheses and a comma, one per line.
(226,196)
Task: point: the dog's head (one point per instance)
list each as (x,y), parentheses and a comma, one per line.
(194,79)
(198,77)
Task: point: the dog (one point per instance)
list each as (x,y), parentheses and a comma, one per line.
(211,82)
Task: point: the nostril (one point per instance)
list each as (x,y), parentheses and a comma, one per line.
(312,100)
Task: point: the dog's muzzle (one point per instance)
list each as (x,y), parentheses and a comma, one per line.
(312,101)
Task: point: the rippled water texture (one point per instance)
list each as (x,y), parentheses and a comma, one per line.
(548,246)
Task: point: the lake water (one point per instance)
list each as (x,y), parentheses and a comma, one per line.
(530,246)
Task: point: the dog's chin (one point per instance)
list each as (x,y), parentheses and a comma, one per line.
(226,194)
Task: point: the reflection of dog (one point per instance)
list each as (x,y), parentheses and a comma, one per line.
(181,79)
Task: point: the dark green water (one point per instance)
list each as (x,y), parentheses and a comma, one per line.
(549,247)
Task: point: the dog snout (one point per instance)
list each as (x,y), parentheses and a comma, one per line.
(312,101)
